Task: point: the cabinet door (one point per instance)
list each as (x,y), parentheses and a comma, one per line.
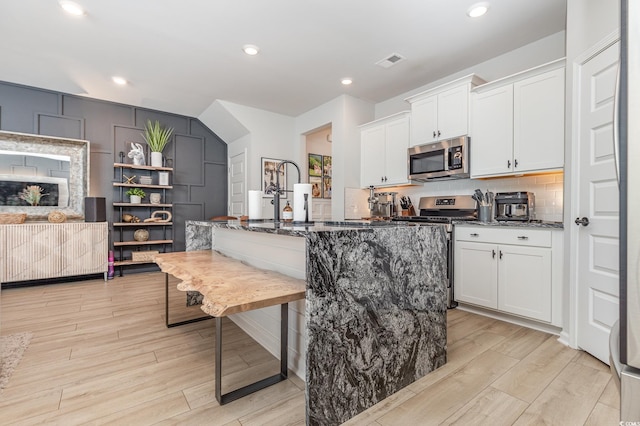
(424,121)
(492,132)
(538,122)
(372,145)
(524,281)
(453,112)
(476,274)
(397,144)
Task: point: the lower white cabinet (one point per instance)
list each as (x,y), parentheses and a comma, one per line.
(509,269)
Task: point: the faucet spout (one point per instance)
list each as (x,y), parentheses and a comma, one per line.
(278,190)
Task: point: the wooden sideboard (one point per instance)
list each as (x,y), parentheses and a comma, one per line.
(41,250)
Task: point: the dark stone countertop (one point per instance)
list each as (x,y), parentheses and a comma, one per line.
(302,229)
(514,224)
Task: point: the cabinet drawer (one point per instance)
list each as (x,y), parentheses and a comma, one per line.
(515,236)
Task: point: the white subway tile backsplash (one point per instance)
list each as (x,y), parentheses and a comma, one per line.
(547,188)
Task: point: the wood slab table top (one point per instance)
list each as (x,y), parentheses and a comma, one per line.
(229,285)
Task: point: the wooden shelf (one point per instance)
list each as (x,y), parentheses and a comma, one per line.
(141,243)
(143,224)
(139,185)
(132,166)
(141,205)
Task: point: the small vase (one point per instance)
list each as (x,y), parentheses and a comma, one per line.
(156,159)
(135,199)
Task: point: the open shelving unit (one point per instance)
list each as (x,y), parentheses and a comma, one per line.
(160,233)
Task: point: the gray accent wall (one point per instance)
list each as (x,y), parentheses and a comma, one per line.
(197,154)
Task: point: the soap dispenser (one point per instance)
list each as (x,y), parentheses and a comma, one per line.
(287,213)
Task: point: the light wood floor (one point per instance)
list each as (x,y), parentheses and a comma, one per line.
(101,354)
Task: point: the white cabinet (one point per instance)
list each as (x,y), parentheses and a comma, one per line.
(517,123)
(442,112)
(509,269)
(384,145)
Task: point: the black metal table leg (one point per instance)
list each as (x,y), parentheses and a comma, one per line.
(261,384)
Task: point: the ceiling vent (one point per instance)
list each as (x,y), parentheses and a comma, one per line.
(391,60)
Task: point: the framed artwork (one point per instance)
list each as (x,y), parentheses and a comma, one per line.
(316,186)
(269,177)
(326,165)
(326,186)
(315,165)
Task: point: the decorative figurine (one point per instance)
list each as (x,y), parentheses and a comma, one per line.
(137,153)
(129,179)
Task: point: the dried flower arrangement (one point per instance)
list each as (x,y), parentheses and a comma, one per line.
(32,194)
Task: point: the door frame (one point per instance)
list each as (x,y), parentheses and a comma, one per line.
(569,334)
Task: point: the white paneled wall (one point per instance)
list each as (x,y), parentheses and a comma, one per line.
(547,188)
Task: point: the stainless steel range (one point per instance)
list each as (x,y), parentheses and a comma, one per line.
(445,209)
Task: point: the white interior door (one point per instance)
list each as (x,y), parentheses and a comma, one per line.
(597,243)
(238,184)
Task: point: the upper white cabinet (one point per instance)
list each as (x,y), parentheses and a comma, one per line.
(442,112)
(517,123)
(384,144)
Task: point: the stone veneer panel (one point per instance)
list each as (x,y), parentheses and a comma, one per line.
(375,314)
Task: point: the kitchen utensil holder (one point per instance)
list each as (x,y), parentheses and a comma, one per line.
(485,213)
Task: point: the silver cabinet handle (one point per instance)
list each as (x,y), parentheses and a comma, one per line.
(515,163)
(508,164)
(493,254)
(523,237)
(474,235)
(500,254)
(434,133)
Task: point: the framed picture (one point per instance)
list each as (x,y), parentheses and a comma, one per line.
(315,165)
(326,165)
(269,177)
(326,186)
(316,186)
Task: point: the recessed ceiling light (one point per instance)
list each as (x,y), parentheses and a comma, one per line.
(346,81)
(250,49)
(119,80)
(478,10)
(71,8)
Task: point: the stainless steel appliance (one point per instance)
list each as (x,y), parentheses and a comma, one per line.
(447,159)
(382,204)
(625,336)
(445,209)
(515,206)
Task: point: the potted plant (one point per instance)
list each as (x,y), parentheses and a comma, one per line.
(157,138)
(136,195)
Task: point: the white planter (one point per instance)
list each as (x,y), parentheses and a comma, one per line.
(135,199)
(156,159)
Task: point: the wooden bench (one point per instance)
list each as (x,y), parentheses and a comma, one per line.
(230,286)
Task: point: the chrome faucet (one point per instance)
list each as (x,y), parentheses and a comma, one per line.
(278,191)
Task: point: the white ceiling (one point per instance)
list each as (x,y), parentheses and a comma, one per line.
(182,55)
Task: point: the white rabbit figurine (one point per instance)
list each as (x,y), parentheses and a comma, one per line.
(137,154)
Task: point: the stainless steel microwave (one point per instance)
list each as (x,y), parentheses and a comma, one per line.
(447,159)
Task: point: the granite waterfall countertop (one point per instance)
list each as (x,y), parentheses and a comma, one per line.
(301,229)
(513,224)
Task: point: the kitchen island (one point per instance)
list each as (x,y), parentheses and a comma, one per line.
(374,317)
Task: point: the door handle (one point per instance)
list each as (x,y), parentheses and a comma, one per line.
(584,221)
(434,134)
(523,237)
(515,163)
(508,164)
(474,234)
(500,254)
(493,254)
